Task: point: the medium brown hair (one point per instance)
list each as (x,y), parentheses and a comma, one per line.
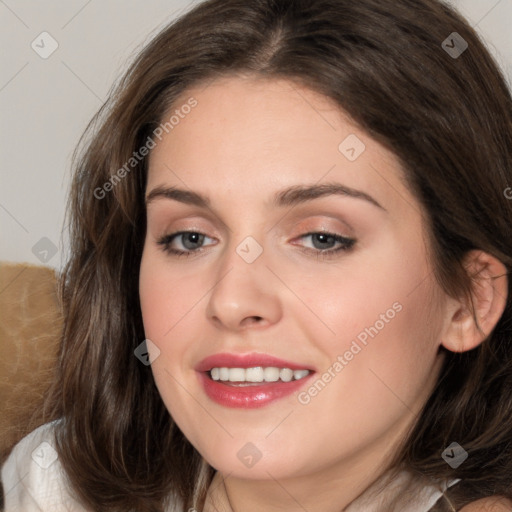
(448,120)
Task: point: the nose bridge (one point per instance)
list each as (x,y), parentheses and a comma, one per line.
(242,290)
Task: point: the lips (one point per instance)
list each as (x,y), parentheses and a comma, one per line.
(247,361)
(238,395)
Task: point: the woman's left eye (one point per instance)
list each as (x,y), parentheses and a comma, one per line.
(324,238)
(189,240)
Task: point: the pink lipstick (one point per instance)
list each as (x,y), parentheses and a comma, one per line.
(250,380)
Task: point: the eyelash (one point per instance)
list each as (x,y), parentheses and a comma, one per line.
(347,244)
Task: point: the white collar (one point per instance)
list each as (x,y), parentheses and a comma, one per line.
(416,495)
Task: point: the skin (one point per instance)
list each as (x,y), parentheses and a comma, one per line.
(245,140)
(489,505)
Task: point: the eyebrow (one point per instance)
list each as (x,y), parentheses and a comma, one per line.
(291,196)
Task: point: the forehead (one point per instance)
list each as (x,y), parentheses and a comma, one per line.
(254,117)
(253,135)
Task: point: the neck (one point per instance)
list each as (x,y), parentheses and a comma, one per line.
(346,486)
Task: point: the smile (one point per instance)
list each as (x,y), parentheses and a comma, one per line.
(250,380)
(257,374)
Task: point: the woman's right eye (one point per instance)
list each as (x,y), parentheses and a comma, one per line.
(188,241)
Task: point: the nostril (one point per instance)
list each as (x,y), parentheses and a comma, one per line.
(252,320)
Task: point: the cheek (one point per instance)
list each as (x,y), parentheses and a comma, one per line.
(378,325)
(166,296)
(377,374)
(170,302)
(160,314)
(152,293)
(364,298)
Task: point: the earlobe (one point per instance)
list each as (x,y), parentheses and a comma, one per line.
(489,290)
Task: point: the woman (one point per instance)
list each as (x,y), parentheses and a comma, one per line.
(261,368)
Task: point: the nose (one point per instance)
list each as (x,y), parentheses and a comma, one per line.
(244,294)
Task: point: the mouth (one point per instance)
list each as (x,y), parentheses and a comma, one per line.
(255,375)
(252,380)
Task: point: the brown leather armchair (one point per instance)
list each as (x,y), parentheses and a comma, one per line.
(30,328)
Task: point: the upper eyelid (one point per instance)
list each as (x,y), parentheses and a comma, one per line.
(305,213)
(303,232)
(347,229)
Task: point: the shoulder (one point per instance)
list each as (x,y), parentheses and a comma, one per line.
(491,504)
(32,476)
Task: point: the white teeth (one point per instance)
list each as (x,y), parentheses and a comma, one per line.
(286,375)
(236,374)
(257,374)
(254,374)
(299,374)
(271,374)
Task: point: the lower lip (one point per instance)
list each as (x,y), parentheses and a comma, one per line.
(248,397)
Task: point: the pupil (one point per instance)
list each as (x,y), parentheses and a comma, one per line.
(196,238)
(329,238)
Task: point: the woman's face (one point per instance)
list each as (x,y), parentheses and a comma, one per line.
(260,281)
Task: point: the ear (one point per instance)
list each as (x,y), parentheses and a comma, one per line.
(489,292)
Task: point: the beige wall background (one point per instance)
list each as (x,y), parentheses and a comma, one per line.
(47,102)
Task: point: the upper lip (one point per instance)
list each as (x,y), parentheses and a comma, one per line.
(226,360)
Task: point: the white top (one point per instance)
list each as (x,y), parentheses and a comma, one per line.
(33,478)
(34,481)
